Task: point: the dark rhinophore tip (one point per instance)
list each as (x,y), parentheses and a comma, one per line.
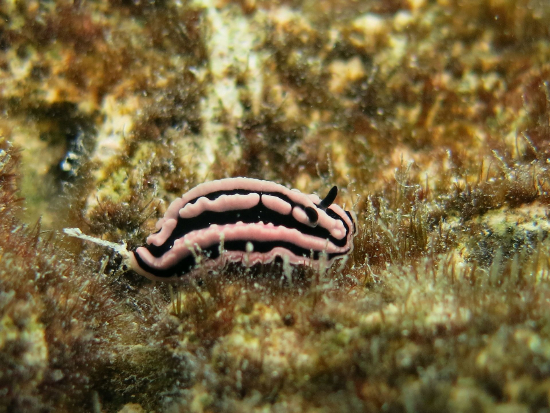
(312,215)
(329,199)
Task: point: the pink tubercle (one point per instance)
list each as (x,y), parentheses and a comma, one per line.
(299,215)
(342,214)
(220,204)
(314,198)
(276,204)
(165,231)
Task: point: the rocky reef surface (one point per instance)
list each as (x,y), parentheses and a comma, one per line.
(433,117)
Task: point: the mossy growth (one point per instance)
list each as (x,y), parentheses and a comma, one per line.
(62,323)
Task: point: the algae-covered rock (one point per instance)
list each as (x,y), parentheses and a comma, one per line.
(432,118)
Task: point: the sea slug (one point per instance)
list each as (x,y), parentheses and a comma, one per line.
(244,220)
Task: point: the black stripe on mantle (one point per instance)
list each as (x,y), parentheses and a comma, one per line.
(248,216)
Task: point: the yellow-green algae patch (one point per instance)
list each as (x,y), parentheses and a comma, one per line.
(22,344)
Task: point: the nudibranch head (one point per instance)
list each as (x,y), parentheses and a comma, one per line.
(244,220)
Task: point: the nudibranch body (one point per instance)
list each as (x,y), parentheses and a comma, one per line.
(244,220)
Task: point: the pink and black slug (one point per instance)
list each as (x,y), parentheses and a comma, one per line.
(244,220)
